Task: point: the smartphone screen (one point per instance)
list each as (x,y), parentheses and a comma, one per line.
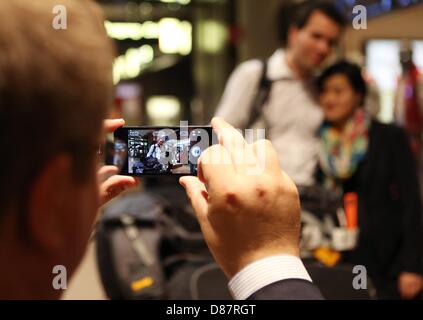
(139,151)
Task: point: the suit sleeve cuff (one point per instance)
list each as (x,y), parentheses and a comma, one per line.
(264,272)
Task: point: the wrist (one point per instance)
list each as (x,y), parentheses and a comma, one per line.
(260,254)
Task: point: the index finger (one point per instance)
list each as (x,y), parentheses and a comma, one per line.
(232,140)
(215,169)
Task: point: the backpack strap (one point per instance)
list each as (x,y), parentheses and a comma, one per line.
(263,92)
(139,246)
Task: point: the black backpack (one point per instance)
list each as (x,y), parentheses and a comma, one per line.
(150,246)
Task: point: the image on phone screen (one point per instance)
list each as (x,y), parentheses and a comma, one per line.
(141,151)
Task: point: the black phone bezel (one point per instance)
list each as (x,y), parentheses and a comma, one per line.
(118,134)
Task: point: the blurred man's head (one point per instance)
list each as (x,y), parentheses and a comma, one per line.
(313,33)
(55,87)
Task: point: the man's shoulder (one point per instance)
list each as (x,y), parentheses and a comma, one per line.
(276,60)
(250,68)
(387,129)
(289,289)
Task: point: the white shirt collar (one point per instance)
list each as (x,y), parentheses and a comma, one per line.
(278,68)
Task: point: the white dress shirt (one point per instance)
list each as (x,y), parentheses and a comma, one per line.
(292,115)
(261,273)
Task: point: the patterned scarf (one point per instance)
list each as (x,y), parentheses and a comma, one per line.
(341,151)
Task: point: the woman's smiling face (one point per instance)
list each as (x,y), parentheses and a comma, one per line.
(338,99)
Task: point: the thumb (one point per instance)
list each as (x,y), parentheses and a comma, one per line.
(197,193)
(114,186)
(111,125)
(105,172)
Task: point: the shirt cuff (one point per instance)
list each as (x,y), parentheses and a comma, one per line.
(261,273)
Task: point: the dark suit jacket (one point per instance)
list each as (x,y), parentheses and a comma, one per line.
(390,217)
(291,289)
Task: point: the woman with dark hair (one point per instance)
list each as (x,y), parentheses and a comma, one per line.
(361,156)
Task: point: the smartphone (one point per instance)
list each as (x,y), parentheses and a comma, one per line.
(152,151)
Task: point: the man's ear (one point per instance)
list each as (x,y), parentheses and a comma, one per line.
(48,202)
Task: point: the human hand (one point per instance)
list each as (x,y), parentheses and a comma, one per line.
(244,217)
(410,285)
(111,184)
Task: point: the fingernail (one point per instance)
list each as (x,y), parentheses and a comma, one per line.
(181,182)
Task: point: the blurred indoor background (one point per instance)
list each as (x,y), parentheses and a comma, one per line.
(174,58)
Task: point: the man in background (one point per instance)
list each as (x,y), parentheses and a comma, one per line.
(288,110)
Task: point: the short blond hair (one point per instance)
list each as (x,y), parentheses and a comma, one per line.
(55,87)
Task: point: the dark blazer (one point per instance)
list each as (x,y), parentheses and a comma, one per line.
(291,289)
(390,216)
